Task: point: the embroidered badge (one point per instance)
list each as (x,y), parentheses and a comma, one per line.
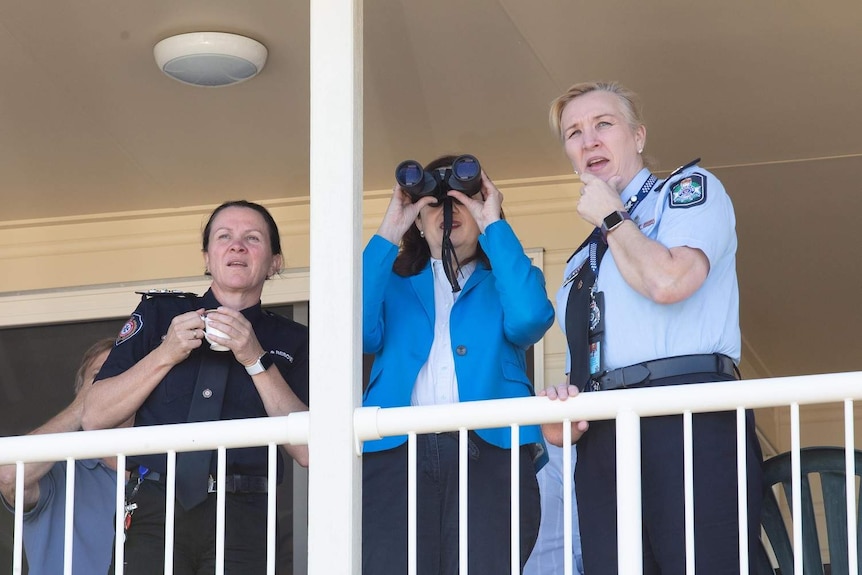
(283,354)
(689,191)
(595,315)
(130,328)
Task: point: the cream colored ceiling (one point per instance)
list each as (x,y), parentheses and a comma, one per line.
(767,93)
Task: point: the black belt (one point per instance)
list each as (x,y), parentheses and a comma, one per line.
(232,483)
(650,371)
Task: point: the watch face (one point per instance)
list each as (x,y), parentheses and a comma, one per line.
(613,219)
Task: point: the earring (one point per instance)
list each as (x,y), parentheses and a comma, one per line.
(577,173)
(421,234)
(640,150)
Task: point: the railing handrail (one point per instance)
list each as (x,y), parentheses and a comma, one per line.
(375,422)
(156,439)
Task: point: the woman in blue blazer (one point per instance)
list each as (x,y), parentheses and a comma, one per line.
(441,338)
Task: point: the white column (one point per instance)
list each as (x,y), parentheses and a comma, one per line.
(629,525)
(334,490)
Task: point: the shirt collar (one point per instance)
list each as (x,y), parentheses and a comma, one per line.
(209,301)
(635,185)
(463,274)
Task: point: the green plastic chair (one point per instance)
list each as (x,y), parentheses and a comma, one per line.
(828,463)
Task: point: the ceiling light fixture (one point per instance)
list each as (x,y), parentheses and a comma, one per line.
(210,59)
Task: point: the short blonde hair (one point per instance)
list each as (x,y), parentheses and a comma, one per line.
(629,100)
(92,353)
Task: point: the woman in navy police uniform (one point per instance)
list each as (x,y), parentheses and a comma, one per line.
(151,374)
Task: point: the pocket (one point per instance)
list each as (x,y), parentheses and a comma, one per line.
(516,379)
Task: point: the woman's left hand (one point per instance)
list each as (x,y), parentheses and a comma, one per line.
(241,339)
(599,198)
(483,206)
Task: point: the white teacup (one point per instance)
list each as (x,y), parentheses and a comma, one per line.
(218,333)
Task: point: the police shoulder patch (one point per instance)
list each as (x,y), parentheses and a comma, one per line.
(130,328)
(688,192)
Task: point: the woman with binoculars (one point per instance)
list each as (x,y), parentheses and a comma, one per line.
(450,305)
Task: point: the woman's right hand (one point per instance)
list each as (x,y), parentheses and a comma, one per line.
(400,215)
(185,334)
(553,432)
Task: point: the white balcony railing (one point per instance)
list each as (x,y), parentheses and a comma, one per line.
(626,406)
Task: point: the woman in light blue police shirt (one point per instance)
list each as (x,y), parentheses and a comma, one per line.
(663,310)
(434,345)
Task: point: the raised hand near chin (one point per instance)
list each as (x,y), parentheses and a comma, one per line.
(599,198)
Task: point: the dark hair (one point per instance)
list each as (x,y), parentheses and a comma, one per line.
(94,350)
(274,239)
(415,253)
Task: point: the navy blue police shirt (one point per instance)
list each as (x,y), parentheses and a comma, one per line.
(286,341)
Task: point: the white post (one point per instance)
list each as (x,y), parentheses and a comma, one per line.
(796,486)
(70,516)
(850,486)
(742,488)
(629,524)
(334,487)
(688,481)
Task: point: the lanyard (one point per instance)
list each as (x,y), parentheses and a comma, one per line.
(595,253)
(596,237)
(645,189)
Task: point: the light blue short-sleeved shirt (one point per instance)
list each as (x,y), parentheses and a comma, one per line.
(690,209)
(93,538)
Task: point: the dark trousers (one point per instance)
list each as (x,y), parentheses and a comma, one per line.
(194,534)
(384,508)
(662,483)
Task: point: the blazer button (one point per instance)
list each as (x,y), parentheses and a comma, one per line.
(461,350)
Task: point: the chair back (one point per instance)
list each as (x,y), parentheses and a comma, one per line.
(827,463)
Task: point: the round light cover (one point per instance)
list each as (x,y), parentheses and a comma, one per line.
(210,59)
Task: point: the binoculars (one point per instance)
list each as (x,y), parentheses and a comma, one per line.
(465,175)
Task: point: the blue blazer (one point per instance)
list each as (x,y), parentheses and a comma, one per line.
(498,315)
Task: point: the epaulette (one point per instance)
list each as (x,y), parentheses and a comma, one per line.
(150,293)
(677,172)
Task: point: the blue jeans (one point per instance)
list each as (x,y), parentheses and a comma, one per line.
(547,557)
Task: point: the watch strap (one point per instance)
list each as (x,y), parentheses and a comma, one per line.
(261,365)
(614,220)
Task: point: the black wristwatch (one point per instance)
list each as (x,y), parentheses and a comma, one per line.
(613,220)
(261,365)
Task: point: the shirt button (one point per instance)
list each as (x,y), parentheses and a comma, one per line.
(207,393)
(461,350)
